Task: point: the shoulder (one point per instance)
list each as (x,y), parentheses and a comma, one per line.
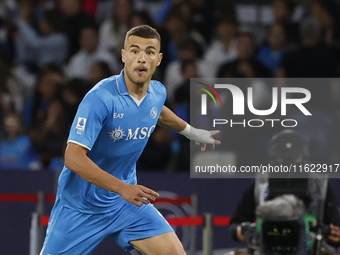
(157,87)
(104,90)
(78,56)
(214,47)
(24,140)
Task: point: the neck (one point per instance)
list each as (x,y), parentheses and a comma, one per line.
(137,90)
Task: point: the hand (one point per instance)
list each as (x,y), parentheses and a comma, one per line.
(208,136)
(137,194)
(334,237)
(239,235)
(201,136)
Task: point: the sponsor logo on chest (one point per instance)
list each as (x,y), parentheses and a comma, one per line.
(138,133)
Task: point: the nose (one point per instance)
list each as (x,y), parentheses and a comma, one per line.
(141,58)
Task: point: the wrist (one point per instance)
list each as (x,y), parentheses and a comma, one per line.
(120,187)
(186,131)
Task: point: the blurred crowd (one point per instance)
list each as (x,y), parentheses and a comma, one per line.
(53,51)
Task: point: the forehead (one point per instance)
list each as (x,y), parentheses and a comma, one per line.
(142,42)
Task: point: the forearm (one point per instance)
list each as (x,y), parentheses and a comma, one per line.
(83,166)
(170,120)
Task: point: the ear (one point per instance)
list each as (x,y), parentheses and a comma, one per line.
(123,55)
(160,57)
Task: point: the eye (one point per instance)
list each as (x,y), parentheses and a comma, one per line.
(134,51)
(150,53)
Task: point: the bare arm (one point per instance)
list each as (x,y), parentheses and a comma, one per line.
(77,160)
(170,120)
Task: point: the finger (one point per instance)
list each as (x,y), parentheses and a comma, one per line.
(214,132)
(150,192)
(136,203)
(213,147)
(197,143)
(143,201)
(149,197)
(203,146)
(217,142)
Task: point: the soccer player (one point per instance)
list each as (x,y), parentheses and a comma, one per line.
(97,194)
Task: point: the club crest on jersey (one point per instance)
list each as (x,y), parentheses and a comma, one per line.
(153,112)
(81,123)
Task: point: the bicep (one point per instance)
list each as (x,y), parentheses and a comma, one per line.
(74,154)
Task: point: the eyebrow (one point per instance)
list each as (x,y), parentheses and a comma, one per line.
(149,47)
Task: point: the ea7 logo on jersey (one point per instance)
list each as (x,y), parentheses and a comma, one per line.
(138,133)
(118,115)
(81,123)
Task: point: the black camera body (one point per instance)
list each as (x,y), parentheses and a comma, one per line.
(283,236)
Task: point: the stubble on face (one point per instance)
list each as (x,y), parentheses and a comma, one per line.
(141,57)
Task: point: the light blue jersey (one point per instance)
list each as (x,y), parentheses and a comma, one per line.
(111,124)
(115,128)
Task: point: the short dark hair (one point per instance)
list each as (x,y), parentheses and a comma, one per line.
(143,31)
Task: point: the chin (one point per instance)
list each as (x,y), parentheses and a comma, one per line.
(139,81)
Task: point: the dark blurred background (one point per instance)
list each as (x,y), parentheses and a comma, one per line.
(53,51)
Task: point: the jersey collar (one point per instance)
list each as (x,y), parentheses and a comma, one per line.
(121,85)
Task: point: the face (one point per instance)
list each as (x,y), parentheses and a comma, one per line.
(226,30)
(44,27)
(280,11)
(88,39)
(316,9)
(276,36)
(49,85)
(141,56)
(190,72)
(122,9)
(69,7)
(245,47)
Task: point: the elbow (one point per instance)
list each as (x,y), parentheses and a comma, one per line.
(68,161)
(74,157)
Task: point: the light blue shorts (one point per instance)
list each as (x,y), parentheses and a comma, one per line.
(73,232)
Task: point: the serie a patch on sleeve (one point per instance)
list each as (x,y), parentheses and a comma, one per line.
(81,123)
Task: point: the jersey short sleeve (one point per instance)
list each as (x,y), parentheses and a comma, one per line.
(89,119)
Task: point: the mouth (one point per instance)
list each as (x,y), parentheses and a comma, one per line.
(140,70)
